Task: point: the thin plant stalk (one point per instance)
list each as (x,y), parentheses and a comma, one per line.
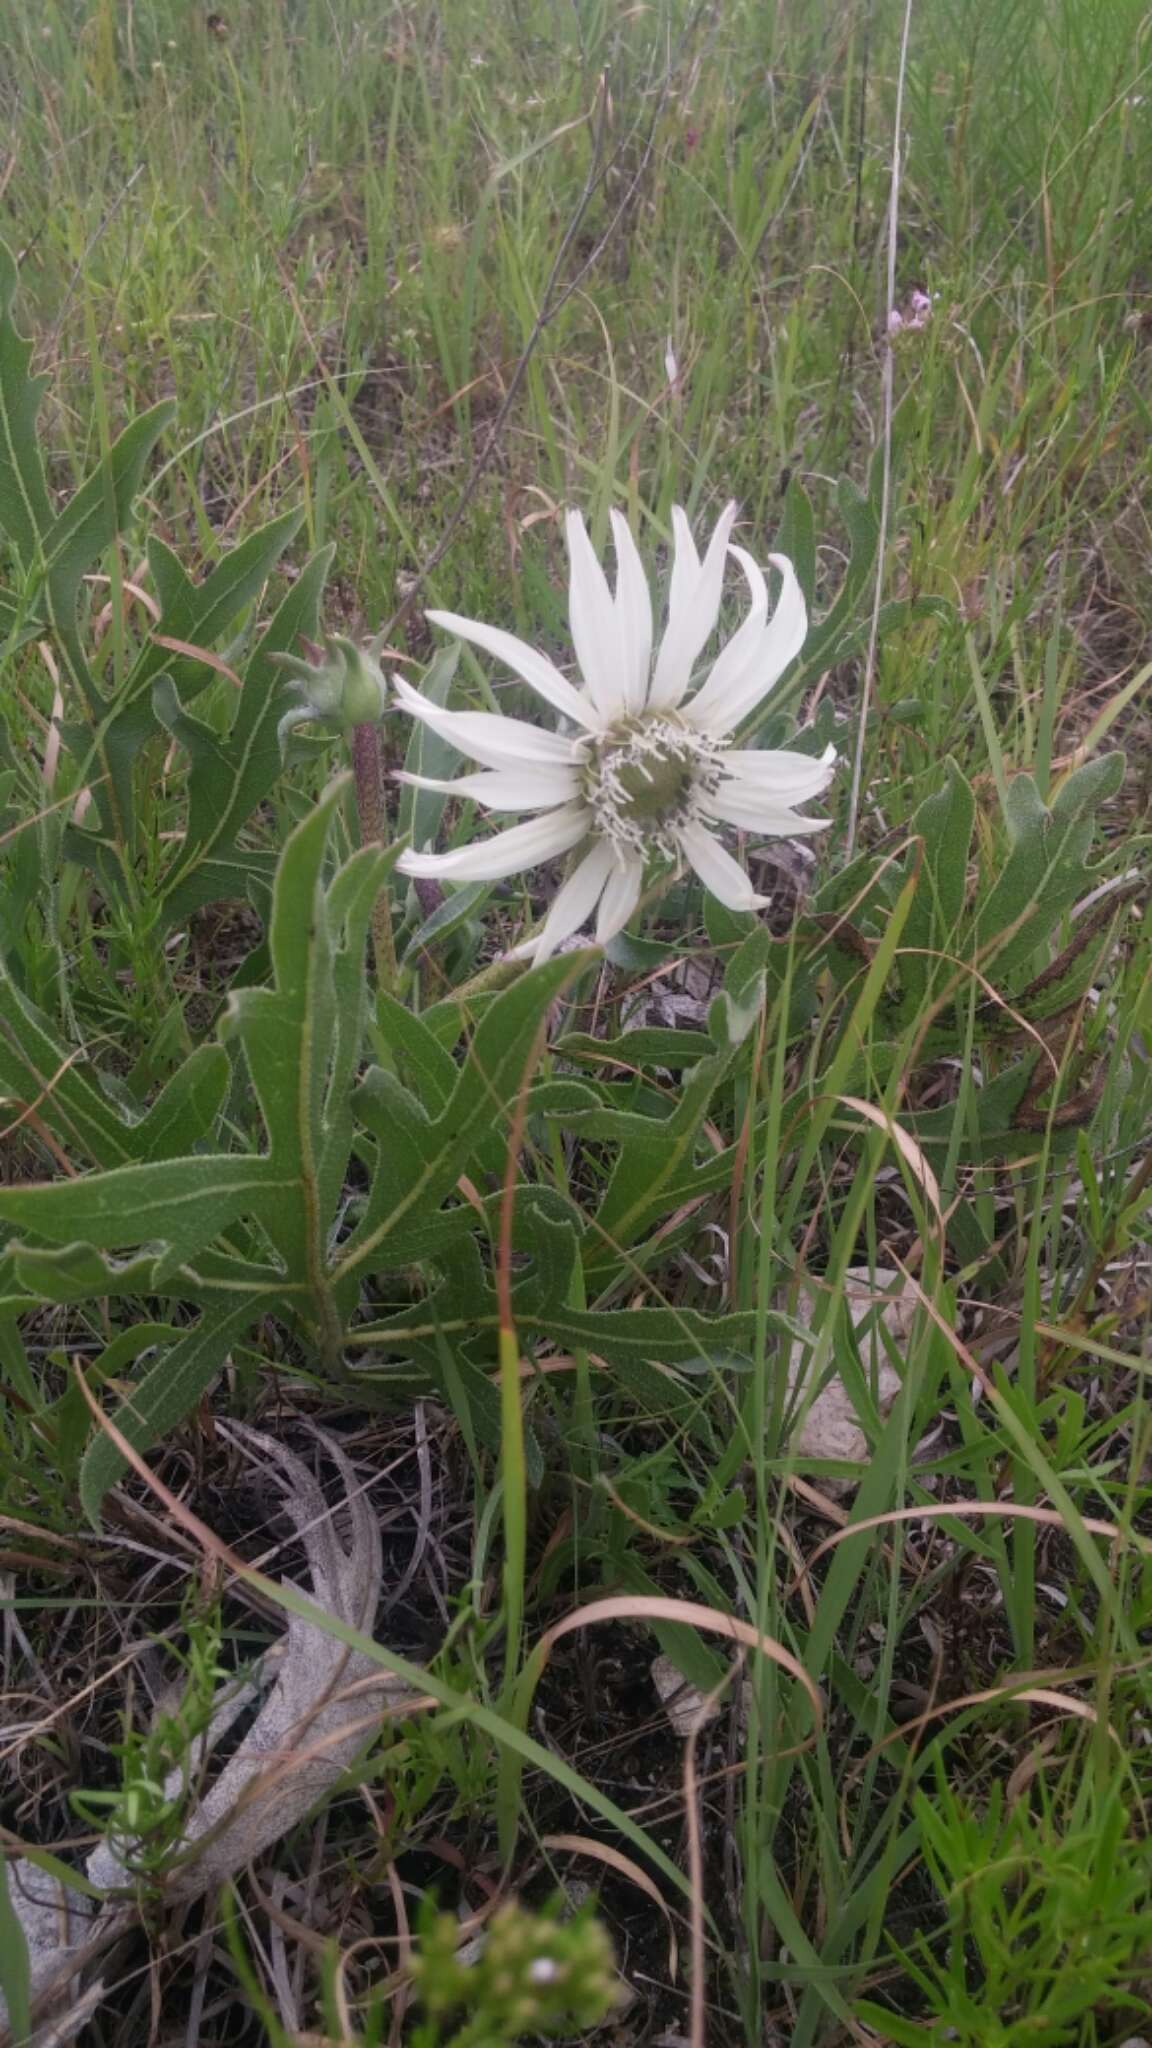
(368,771)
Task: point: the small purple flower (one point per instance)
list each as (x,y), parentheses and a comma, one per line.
(915,315)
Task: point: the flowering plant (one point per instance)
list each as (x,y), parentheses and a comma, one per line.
(645,769)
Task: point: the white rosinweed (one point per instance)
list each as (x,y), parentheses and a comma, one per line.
(645,770)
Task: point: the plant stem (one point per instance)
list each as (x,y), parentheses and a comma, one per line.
(366,765)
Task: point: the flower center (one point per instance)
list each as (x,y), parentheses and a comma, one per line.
(642,779)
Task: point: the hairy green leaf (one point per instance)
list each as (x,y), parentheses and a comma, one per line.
(168,1392)
(25,507)
(229,777)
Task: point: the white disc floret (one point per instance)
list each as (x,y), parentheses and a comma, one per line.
(644,779)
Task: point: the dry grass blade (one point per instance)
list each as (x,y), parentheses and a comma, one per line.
(692,1614)
(956,1510)
(697,2019)
(615,1859)
(907,1147)
(1009,1693)
(204,654)
(28,1110)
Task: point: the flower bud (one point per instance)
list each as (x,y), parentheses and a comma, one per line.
(345,688)
(365,692)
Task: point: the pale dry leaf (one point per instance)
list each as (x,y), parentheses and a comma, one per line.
(59,1926)
(831,1427)
(59,2032)
(319,1711)
(674,1001)
(686,1707)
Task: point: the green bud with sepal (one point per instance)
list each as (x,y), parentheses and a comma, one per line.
(342,685)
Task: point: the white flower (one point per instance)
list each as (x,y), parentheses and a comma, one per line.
(645,770)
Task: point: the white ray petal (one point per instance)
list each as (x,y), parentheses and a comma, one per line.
(592,617)
(737,657)
(754,812)
(487,736)
(633,615)
(685,563)
(506,853)
(720,874)
(621,895)
(574,902)
(504,789)
(779,772)
(748,667)
(693,607)
(536,670)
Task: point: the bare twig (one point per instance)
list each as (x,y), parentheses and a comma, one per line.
(886,470)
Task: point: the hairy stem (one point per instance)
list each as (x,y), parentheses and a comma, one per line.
(368,771)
